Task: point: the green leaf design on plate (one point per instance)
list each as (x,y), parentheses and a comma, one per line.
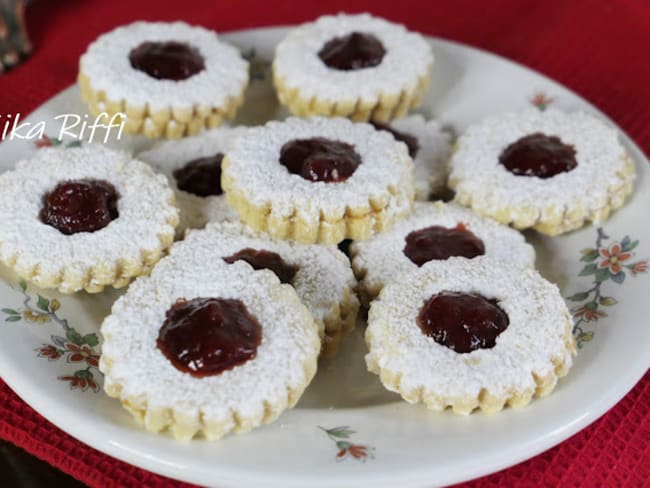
(343,444)
(10,311)
(591,306)
(627,244)
(13,318)
(75,337)
(91,339)
(43,303)
(602,274)
(578,297)
(82,373)
(589,255)
(619,277)
(588,270)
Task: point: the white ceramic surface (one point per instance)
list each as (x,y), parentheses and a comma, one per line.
(406,445)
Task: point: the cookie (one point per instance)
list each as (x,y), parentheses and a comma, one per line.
(169,78)
(547,170)
(356,66)
(470,335)
(84,218)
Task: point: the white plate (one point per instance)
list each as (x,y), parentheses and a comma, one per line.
(406,445)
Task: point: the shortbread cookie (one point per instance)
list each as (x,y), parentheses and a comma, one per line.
(470,334)
(355,66)
(548,170)
(170,79)
(434,231)
(208,350)
(193,168)
(430,148)
(84,218)
(321,275)
(318,180)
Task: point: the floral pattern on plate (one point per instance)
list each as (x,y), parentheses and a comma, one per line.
(75,348)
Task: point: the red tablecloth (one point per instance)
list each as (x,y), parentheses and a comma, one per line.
(597,48)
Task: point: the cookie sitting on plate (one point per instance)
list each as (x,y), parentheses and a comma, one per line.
(356,66)
(171,79)
(549,170)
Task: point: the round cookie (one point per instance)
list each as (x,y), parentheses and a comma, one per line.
(318,180)
(170,79)
(207,350)
(356,66)
(320,274)
(84,218)
(430,148)
(194,164)
(453,231)
(548,170)
(470,334)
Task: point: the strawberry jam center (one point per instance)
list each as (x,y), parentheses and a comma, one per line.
(320,159)
(463,322)
(260,259)
(84,205)
(201,177)
(353,51)
(437,242)
(169,60)
(538,155)
(207,336)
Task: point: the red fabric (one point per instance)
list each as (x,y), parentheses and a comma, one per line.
(599,49)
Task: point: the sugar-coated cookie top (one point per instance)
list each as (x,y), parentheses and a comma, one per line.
(408,58)
(106,64)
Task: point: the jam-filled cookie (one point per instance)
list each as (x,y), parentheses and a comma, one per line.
(193,168)
(321,275)
(355,66)
(319,179)
(84,218)
(430,148)
(548,170)
(207,349)
(469,335)
(435,231)
(170,79)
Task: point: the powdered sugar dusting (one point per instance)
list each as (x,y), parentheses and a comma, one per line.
(289,340)
(381,259)
(107,66)
(386,169)
(408,58)
(433,154)
(534,338)
(167,156)
(144,205)
(475,168)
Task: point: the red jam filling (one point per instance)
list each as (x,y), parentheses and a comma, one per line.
(538,155)
(353,51)
(437,242)
(320,159)
(260,259)
(463,322)
(201,177)
(84,205)
(410,141)
(207,336)
(170,60)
